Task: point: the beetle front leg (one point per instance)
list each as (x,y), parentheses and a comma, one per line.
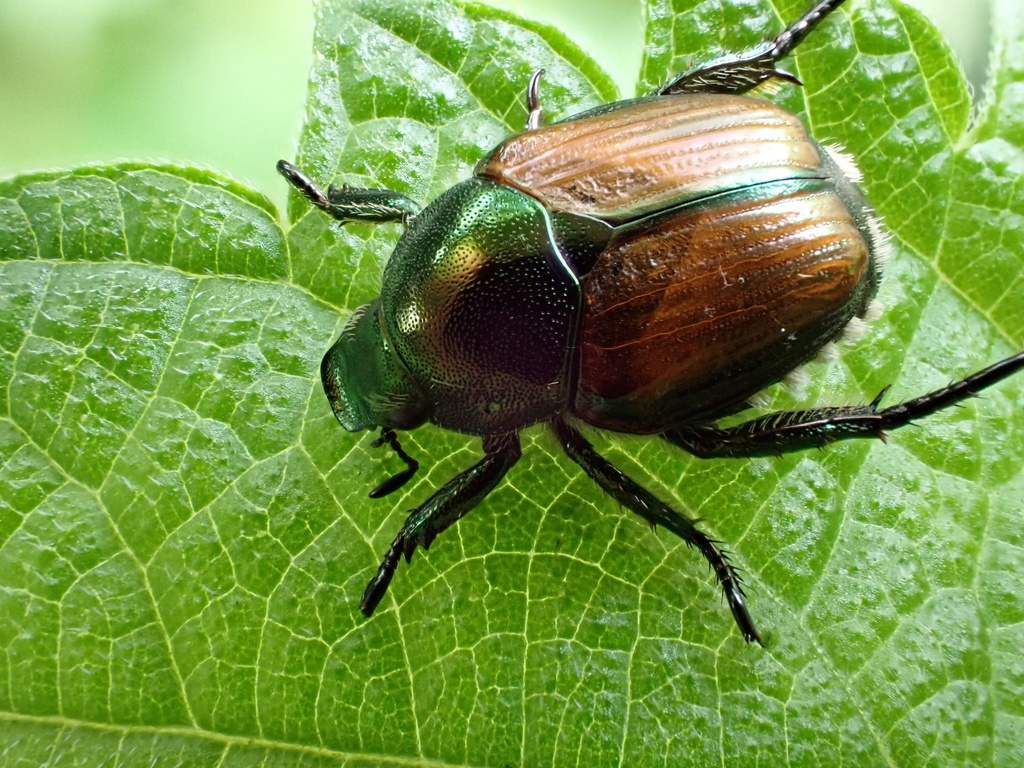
(786,431)
(738,74)
(377,206)
(457,497)
(630,494)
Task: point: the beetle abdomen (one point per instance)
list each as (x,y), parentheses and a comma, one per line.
(691,315)
(650,154)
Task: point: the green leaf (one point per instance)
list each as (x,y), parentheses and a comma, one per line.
(185,532)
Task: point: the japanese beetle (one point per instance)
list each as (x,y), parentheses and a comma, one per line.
(647,266)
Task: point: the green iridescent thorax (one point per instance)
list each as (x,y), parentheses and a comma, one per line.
(366,382)
(482,308)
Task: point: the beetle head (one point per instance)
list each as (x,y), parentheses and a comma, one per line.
(366,382)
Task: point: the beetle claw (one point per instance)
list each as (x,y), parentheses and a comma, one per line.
(536,116)
(787,76)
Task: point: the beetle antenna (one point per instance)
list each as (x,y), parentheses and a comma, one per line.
(794,34)
(393,483)
(536,115)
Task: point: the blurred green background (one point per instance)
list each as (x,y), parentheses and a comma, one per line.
(221,83)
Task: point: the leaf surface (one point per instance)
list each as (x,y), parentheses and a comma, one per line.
(185,532)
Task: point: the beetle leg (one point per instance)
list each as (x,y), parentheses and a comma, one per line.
(457,497)
(377,206)
(630,494)
(741,73)
(536,116)
(393,483)
(787,431)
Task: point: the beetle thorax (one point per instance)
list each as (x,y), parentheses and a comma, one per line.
(482,309)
